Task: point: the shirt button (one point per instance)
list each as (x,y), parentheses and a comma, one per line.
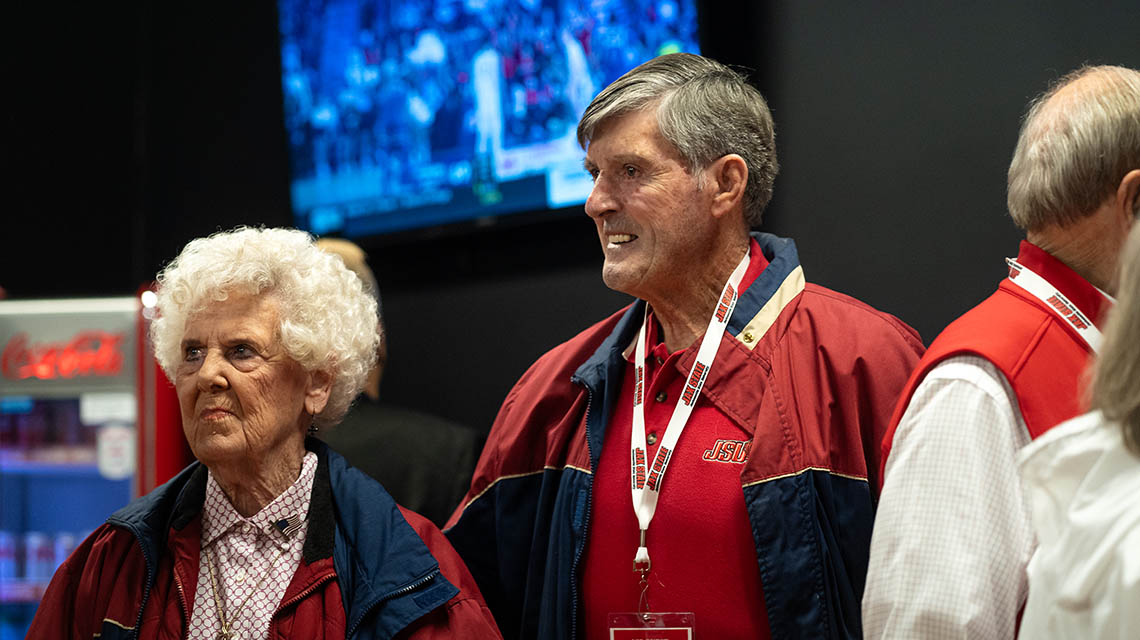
(662,396)
(241,576)
(651,438)
(660,360)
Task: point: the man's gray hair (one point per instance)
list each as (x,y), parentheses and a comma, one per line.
(1116,373)
(705,110)
(1077,142)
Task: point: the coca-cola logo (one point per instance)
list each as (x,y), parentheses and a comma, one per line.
(89,353)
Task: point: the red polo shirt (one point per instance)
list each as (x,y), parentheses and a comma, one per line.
(700,540)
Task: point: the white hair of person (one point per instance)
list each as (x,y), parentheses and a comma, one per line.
(1116,373)
(705,110)
(1074,149)
(327,317)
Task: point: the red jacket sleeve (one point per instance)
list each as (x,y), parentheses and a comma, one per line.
(99,583)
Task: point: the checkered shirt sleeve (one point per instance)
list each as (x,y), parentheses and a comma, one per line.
(953,533)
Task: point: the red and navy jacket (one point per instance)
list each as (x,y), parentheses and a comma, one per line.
(1041,355)
(811,373)
(369,569)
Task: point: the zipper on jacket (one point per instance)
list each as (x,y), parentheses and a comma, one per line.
(394,594)
(301,596)
(182,599)
(150,569)
(585,521)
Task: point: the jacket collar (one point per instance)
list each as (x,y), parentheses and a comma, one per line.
(783,260)
(173,504)
(1090,300)
(177,502)
(783,263)
(379,558)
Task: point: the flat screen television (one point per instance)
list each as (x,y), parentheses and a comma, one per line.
(410,114)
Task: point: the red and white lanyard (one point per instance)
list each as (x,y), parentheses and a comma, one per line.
(1040,288)
(645,481)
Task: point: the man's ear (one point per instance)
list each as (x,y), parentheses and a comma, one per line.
(317,395)
(1128,193)
(727,177)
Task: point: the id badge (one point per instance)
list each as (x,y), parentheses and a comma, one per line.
(651,626)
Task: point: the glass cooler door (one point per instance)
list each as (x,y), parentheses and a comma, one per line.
(68,410)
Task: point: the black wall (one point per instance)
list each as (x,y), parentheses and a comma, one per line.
(132,128)
(896,128)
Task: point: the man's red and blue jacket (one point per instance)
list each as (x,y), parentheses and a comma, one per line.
(811,373)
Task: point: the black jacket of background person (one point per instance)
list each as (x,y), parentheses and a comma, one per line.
(425,462)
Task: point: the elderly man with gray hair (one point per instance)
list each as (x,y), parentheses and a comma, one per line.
(589,512)
(953,534)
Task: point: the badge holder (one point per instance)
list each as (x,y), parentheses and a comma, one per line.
(643,625)
(651,626)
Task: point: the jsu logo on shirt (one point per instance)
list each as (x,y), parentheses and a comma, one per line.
(730,451)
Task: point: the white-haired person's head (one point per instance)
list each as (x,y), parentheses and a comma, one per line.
(266,338)
(325,317)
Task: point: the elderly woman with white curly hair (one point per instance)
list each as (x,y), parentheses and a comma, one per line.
(270,534)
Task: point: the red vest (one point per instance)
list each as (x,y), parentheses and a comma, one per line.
(1041,355)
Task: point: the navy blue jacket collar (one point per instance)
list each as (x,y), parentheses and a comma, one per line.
(782,260)
(377,555)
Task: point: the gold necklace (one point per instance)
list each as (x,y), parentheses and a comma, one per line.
(226,633)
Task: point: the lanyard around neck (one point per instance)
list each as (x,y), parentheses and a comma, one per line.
(645,480)
(1055,301)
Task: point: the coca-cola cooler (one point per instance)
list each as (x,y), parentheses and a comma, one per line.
(87,422)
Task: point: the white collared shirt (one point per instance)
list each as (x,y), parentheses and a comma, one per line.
(253,559)
(1084,488)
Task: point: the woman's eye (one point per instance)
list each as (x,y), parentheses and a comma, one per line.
(243,351)
(630,171)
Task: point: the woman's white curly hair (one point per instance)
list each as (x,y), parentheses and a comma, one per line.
(328,320)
